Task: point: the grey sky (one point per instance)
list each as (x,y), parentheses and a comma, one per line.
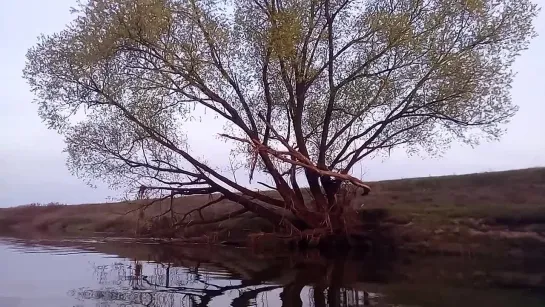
(32,165)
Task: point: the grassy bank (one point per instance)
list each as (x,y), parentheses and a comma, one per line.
(467,214)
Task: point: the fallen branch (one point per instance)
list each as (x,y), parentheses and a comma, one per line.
(343,177)
(299,160)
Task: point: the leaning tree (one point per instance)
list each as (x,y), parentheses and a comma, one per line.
(306,90)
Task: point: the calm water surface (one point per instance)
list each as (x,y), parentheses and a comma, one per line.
(56,273)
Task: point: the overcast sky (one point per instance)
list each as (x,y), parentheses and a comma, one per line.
(32,165)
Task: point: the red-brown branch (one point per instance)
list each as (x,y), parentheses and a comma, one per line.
(344,177)
(300,160)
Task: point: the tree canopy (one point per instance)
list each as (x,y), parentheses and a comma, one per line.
(307,87)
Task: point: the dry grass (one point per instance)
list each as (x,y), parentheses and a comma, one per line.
(512,198)
(515,187)
(122,218)
(509,198)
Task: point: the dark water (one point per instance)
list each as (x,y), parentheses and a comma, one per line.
(128,273)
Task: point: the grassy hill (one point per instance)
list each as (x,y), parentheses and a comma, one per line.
(441,213)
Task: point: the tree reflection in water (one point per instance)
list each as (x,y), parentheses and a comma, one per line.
(202,275)
(165,285)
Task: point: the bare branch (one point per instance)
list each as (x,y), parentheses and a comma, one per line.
(199,209)
(266,185)
(214,220)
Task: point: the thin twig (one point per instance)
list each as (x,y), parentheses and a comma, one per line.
(266,185)
(216,220)
(187,214)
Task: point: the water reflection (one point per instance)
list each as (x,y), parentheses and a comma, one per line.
(163,284)
(145,273)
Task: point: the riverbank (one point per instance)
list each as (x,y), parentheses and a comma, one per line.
(472,214)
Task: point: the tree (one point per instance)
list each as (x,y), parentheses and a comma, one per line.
(308,88)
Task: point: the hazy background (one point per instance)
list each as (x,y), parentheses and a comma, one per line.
(32,165)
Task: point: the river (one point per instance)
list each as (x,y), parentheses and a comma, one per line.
(125,272)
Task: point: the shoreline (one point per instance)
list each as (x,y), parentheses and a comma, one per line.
(389,237)
(485,213)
